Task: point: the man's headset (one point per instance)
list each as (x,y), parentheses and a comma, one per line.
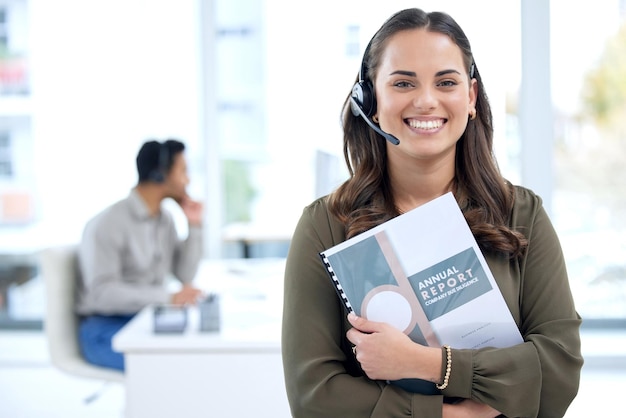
(363,100)
(159,174)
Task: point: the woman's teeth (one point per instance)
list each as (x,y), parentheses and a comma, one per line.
(425,124)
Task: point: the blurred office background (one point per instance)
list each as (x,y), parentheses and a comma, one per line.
(255,89)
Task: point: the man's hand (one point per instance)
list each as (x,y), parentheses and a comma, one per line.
(188,295)
(192,210)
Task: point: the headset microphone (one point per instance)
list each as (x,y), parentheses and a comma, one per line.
(357,111)
(363,99)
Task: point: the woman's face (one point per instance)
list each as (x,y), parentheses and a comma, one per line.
(423,93)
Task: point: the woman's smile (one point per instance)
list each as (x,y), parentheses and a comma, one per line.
(430,125)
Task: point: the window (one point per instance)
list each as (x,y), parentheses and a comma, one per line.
(14,71)
(589,98)
(6,163)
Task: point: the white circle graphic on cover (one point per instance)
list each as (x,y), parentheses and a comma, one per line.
(390,307)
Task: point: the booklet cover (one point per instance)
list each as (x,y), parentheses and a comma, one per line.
(423,273)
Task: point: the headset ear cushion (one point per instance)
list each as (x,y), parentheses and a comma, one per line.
(363,94)
(156,176)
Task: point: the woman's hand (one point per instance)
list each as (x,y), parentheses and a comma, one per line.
(469,409)
(386,353)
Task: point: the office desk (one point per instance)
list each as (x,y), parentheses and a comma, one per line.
(235,372)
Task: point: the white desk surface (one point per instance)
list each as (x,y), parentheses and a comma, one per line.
(251,312)
(196,374)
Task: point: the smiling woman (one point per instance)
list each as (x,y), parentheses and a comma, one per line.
(425,103)
(425,89)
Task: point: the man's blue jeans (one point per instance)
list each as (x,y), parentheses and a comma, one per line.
(95,334)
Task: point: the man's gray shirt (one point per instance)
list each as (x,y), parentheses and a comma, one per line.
(126,255)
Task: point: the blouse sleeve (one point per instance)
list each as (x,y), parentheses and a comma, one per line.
(540,377)
(321,378)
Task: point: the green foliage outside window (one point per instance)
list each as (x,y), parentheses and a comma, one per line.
(595,165)
(238,191)
(604,96)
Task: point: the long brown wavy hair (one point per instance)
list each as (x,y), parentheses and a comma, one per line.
(485,197)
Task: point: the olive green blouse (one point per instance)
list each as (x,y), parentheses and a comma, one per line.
(538,378)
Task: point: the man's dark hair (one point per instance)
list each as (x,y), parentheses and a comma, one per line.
(155,159)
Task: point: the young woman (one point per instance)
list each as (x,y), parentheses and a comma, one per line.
(416,126)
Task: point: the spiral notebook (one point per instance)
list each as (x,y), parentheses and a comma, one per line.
(423,273)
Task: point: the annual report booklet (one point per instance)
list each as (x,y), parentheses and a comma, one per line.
(423,273)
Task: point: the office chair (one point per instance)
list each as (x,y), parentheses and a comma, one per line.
(59,269)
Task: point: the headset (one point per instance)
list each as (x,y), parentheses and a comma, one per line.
(363,99)
(158,174)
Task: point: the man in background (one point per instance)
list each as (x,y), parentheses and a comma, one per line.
(129,249)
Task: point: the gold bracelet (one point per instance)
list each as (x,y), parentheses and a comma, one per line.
(446,378)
